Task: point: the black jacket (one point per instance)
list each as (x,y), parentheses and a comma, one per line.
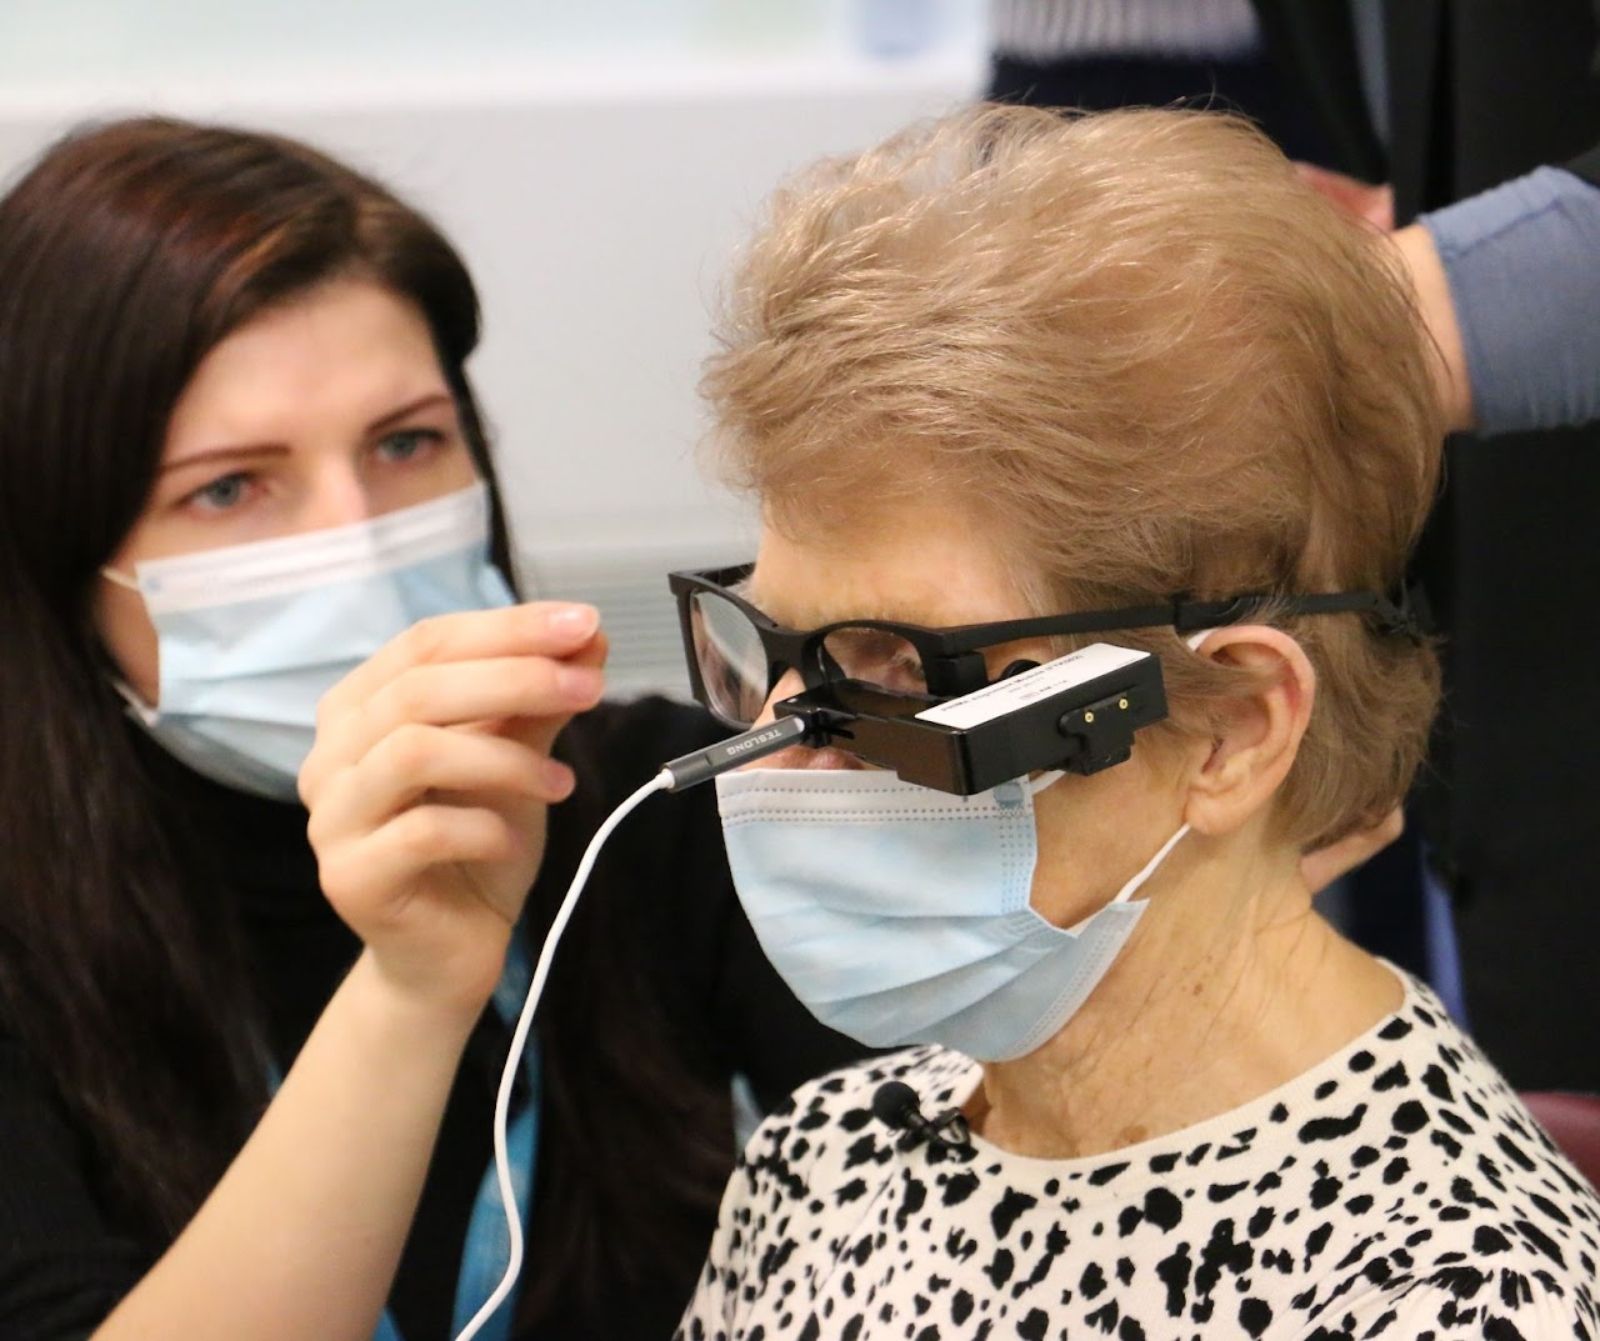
(1481,91)
(715,1001)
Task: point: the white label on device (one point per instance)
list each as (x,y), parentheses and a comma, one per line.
(996,700)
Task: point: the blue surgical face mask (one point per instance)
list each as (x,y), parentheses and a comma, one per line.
(900,915)
(252,636)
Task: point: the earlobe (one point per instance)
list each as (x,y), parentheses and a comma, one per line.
(1260,731)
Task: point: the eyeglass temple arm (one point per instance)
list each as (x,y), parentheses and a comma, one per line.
(1405,615)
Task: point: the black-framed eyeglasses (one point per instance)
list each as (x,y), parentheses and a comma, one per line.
(737,654)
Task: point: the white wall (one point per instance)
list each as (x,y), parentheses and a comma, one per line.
(596,197)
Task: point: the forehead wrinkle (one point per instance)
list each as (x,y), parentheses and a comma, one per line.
(812,615)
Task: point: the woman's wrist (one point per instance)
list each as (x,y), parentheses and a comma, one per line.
(397,1010)
(1434,300)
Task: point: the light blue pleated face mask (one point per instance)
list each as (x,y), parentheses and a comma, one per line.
(900,915)
(252,636)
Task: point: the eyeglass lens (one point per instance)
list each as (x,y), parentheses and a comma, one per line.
(732,661)
(735,672)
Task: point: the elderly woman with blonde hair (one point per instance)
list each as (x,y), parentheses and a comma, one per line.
(1010,368)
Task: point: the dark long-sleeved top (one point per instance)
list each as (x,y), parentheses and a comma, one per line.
(63,1264)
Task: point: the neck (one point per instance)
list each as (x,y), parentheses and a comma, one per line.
(1232,986)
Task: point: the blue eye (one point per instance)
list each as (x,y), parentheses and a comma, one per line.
(408,444)
(221,494)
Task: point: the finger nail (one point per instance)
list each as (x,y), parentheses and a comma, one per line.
(559,779)
(580,684)
(575,621)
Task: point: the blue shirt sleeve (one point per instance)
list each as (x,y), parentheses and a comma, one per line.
(1523,262)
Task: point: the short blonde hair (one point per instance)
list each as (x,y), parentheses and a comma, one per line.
(1146,357)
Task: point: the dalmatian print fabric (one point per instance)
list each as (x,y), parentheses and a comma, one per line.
(1398,1190)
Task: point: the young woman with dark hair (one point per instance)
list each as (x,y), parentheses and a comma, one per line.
(232,379)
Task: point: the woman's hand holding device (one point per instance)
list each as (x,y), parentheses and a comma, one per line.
(429,784)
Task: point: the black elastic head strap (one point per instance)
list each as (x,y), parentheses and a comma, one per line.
(1404,615)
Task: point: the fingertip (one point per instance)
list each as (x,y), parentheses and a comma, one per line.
(572,622)
(581,685)
(560,780)
(595,651)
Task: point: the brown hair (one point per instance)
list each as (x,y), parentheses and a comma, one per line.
(1145,356)
(127,253)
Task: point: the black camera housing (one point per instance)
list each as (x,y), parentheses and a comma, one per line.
(1019,725)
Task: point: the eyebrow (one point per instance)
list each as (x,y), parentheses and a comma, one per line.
(857,616)
(405,411)
(241,450)
(213,454)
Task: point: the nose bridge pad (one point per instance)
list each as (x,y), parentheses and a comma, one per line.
(828,667)
(786,683)
(810,666)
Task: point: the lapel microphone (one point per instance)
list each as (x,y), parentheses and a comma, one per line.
(896,1105)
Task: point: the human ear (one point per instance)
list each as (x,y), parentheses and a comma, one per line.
(1258,732)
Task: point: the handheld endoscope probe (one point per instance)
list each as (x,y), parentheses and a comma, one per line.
(1077,713)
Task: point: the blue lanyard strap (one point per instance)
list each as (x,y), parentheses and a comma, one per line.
(487,1249)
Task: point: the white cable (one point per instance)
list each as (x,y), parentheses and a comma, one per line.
(519,1040)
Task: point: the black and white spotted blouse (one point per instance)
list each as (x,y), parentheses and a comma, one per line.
(1399,1189)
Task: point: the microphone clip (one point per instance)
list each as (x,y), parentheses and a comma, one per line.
(897,1106)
